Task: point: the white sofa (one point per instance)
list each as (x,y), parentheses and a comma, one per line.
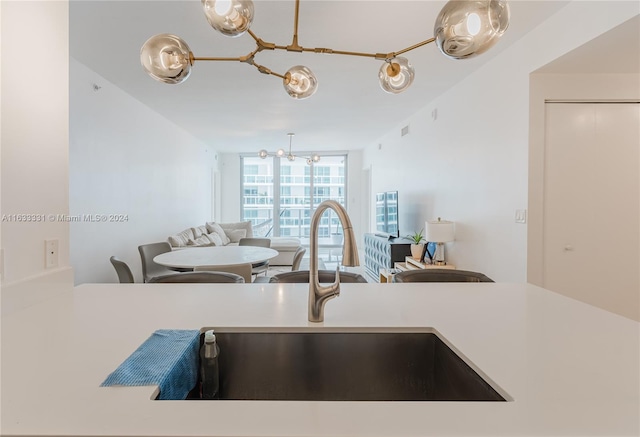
(222,234)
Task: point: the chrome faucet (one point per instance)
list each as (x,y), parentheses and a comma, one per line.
(319,295)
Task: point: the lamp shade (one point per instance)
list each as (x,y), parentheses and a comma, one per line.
(439,231)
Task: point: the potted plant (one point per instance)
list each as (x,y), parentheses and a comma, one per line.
(417,245)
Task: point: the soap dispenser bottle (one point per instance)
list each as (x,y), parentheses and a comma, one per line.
(209,371)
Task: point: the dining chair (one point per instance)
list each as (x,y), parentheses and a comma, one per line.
(198,277)
(324,276)
(440,275)
(260,267)
(243,270)
(149,267)
(297,258)
(122,269)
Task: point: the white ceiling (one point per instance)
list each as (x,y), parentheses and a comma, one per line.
(614,52)
(232,107)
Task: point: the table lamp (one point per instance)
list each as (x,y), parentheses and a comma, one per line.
(439,232)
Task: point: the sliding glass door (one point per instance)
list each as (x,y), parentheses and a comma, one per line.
(279,196)
(258,194)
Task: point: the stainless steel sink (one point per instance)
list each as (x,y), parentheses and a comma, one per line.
(344,366)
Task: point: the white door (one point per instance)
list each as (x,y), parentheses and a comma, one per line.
(591,204)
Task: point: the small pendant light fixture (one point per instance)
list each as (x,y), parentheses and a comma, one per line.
(290,156)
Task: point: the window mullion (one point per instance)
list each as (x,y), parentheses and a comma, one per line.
(276,197)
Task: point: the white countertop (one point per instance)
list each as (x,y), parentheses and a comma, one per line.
(571,369)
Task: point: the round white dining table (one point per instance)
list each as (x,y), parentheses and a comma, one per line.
(214,256)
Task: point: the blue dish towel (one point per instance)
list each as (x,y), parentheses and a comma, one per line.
(169,359)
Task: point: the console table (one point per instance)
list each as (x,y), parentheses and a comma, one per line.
(382,252)
(412,264)
(386,275)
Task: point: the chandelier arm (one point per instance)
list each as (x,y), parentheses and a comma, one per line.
(260,43)
(294,43)
(343,52)
(270,46)
(264,70)
(334,52)
(383,56)
(415,46)
(295,19)
(199,58)
(253,35)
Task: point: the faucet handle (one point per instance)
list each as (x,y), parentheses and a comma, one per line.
(336,283)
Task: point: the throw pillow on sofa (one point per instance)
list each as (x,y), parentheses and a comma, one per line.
(181,239)
(200,241)
(247,226)
(214,238)
(236,234)
(214,227)
(199,231)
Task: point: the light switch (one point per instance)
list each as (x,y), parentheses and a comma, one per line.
(521,215)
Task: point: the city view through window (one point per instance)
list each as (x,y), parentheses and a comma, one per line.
(279,196)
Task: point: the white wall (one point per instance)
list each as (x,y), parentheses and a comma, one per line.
(230,189)
(126,159)
(470,165)
(35,122)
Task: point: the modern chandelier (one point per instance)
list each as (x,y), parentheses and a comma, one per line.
(463,29)
(290,156)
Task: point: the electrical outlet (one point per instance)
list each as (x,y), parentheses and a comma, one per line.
(51,253)
(521,215)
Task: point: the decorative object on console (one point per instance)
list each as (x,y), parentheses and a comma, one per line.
(290,156)
(439,232)
(462,30)
(417,245)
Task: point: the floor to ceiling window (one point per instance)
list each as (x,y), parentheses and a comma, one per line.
(279,196)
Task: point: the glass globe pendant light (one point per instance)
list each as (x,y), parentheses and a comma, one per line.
(313,159)
(396,75)
(229,17)
(166,58)
(290,156)
(468,28)
(300,82)
(463,29)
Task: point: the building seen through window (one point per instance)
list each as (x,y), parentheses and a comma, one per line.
(279,196)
